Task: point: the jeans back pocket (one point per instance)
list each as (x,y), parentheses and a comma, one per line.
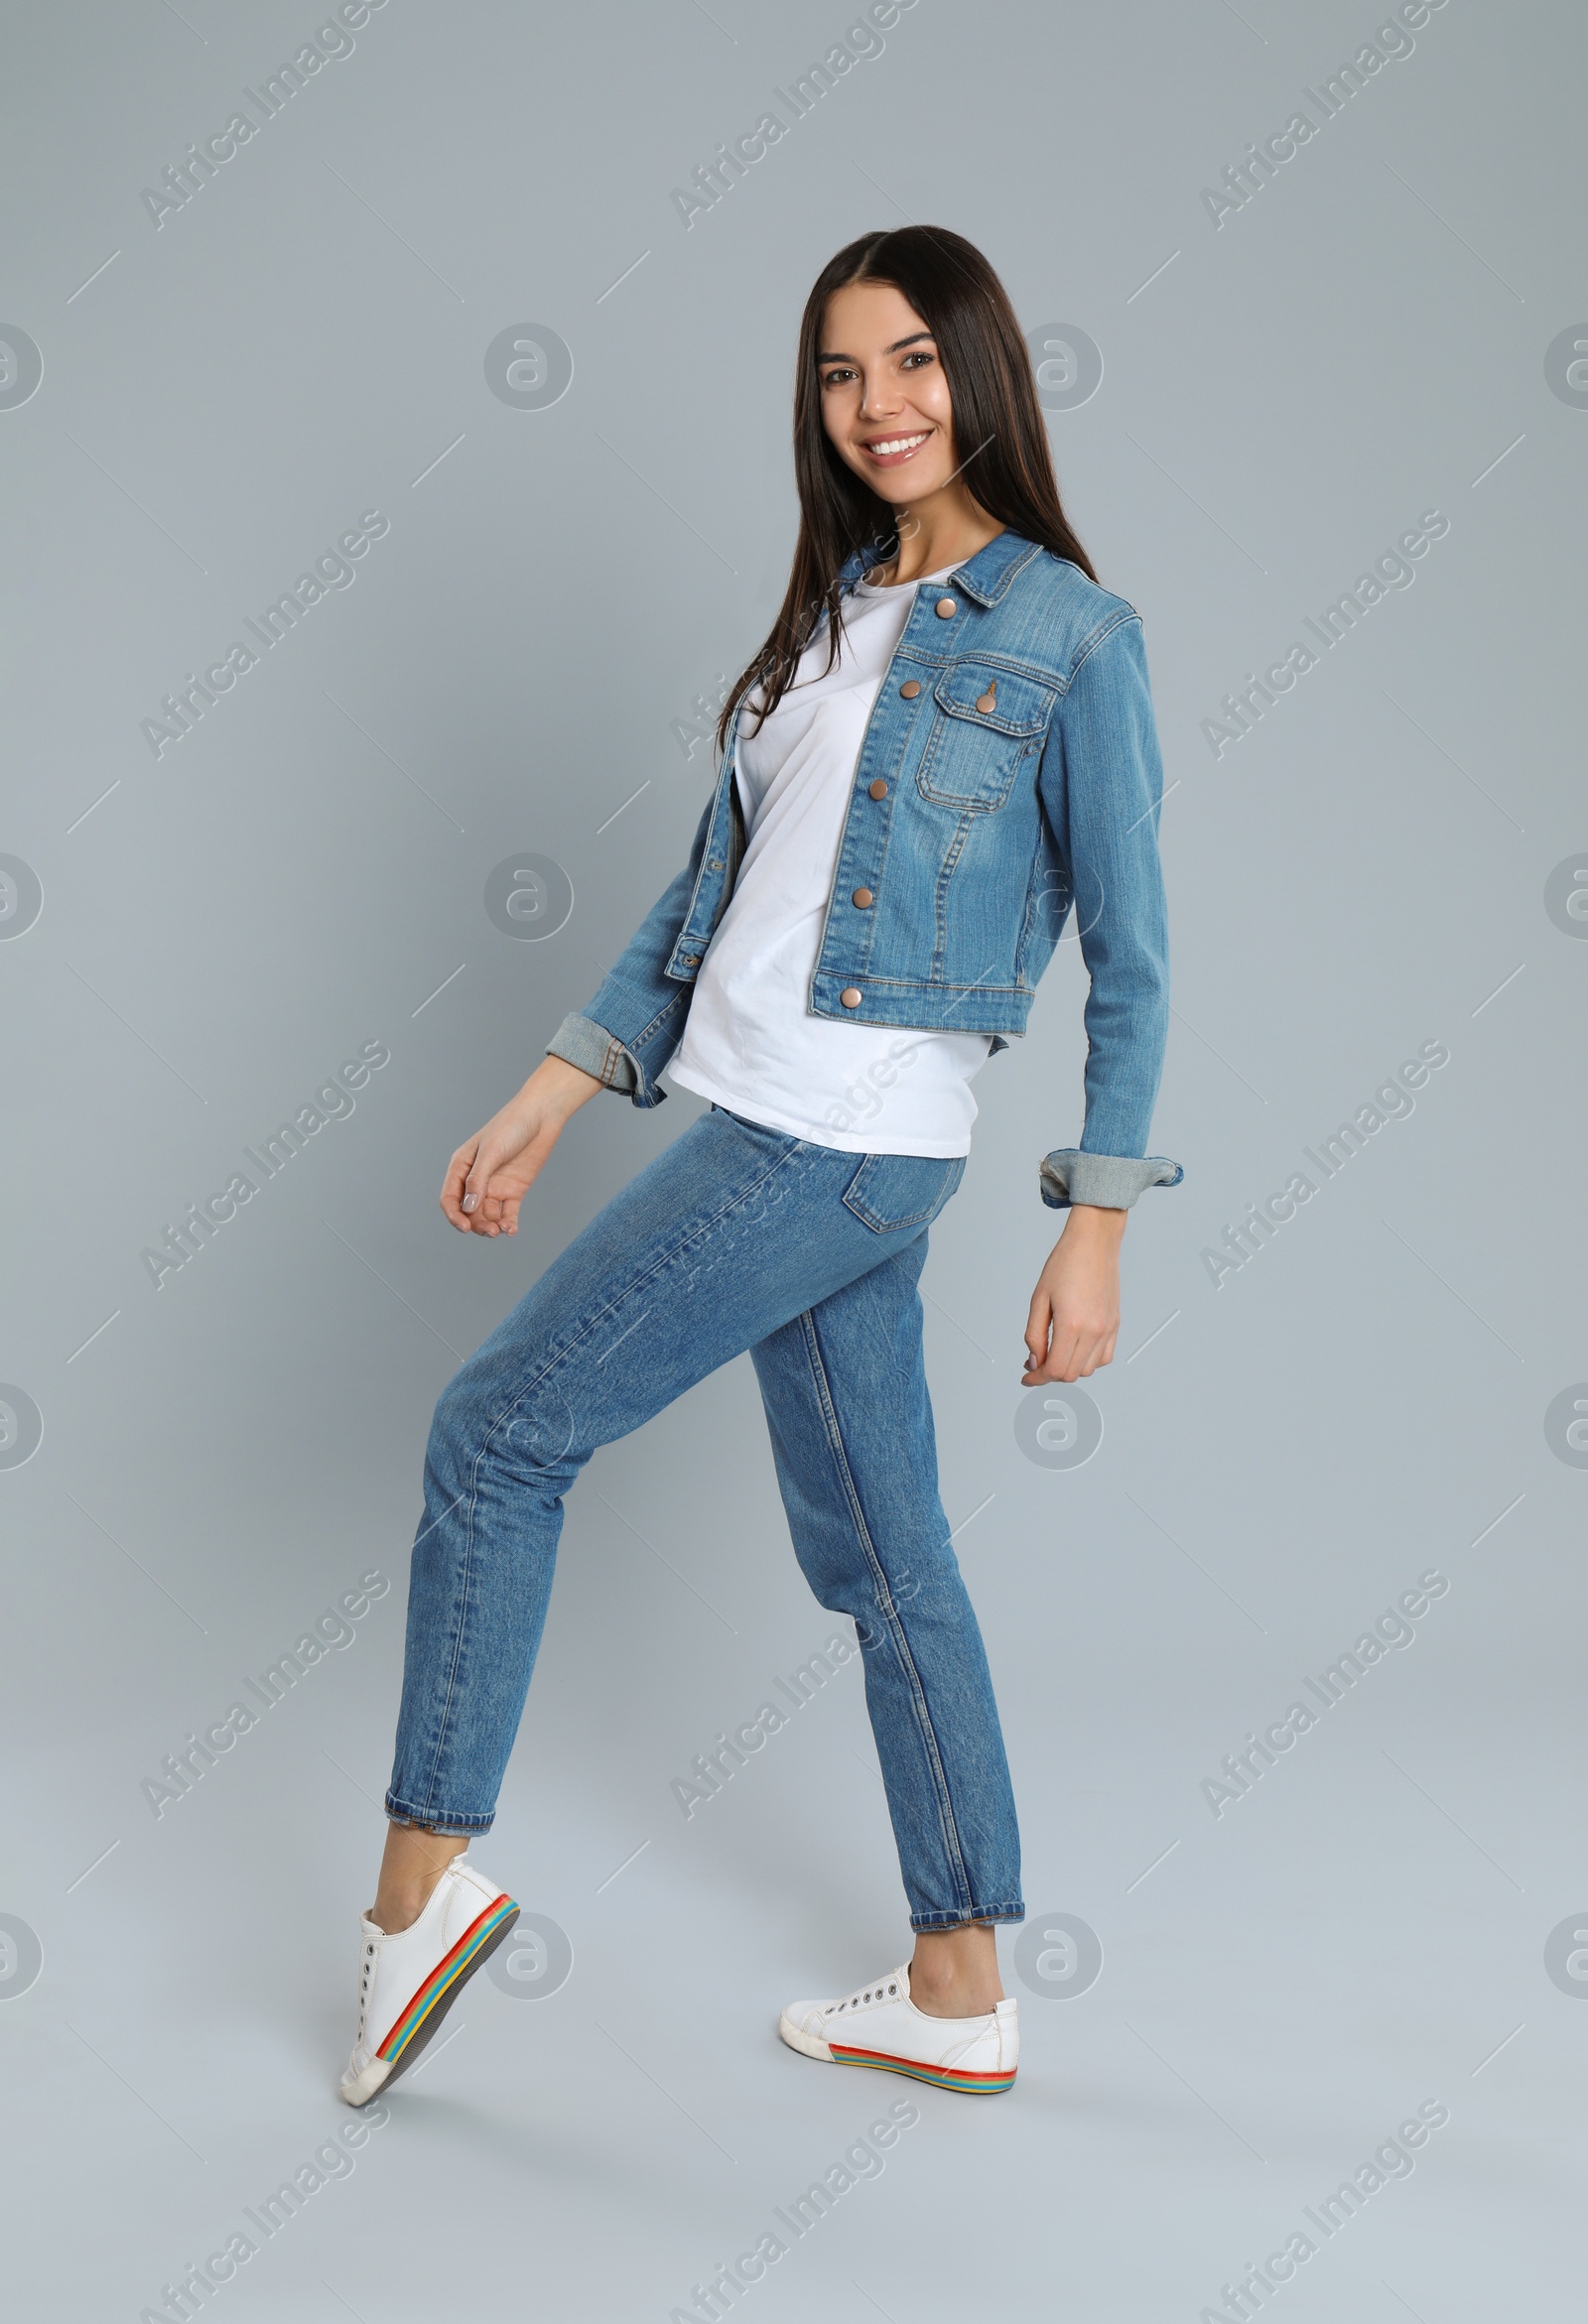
(891,1190)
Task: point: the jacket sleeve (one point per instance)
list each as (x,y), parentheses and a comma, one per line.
(630,1030)
(1102,784)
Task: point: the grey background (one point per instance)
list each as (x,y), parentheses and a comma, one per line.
(221,397)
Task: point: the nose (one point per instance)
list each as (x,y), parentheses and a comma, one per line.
(879,398)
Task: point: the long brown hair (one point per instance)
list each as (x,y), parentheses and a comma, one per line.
(1008,466)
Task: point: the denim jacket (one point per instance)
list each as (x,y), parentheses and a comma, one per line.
(1009,769)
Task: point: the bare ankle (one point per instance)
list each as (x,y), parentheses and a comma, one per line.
(392,1915)
(955,1972)
(413,1864)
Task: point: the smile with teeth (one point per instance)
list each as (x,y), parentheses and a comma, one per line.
(891,446)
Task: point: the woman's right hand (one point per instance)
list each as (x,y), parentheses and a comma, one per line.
(491,1173)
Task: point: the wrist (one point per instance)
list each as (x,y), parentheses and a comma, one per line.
(1092,1221)
(561,1087)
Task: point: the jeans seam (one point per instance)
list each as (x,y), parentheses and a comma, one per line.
(887,1610)
(528,1389)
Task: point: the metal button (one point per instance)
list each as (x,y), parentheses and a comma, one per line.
(910,689)
(878,789)
(863,898)
(987,702)
(690,961)
(850,996)
(946,609)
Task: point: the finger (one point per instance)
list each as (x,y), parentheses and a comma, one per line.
(1042,1347)
(454,1183)
(498,1210)
(1037,1324)
(478,1178)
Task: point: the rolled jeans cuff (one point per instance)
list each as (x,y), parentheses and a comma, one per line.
(1110,1182)
(973,1915)
(402,1811)
(581,1042)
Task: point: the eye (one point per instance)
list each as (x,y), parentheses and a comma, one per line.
(837,378)
(917,355)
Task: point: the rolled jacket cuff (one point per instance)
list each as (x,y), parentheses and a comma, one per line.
(1110,1182)
(581,1042)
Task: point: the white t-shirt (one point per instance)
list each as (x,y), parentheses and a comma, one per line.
(750,1042)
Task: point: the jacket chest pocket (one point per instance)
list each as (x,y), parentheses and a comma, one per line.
(987,720)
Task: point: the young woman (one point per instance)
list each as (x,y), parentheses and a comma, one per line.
(946,740)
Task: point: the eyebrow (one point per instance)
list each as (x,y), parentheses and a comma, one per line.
(892,350)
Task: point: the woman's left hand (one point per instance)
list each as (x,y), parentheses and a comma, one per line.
(1075,1307)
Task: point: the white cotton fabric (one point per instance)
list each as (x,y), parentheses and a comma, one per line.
(750,1043)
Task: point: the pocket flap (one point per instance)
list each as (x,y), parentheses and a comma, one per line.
(990,696)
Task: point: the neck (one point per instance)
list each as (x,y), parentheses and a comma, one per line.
(946,529)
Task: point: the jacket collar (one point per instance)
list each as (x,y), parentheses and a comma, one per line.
(988,573)
(984,578)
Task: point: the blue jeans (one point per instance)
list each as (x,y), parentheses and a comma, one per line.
(738,1236)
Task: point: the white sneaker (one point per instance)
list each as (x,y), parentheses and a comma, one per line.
(409,1981)
(880,2025)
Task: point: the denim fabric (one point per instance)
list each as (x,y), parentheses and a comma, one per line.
(738,1236)
(1106,1180)
(1022,776)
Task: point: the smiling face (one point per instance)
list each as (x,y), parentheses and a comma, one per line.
(885,401)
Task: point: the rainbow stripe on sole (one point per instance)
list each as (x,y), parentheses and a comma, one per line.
(428,2006)
(940,2077)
